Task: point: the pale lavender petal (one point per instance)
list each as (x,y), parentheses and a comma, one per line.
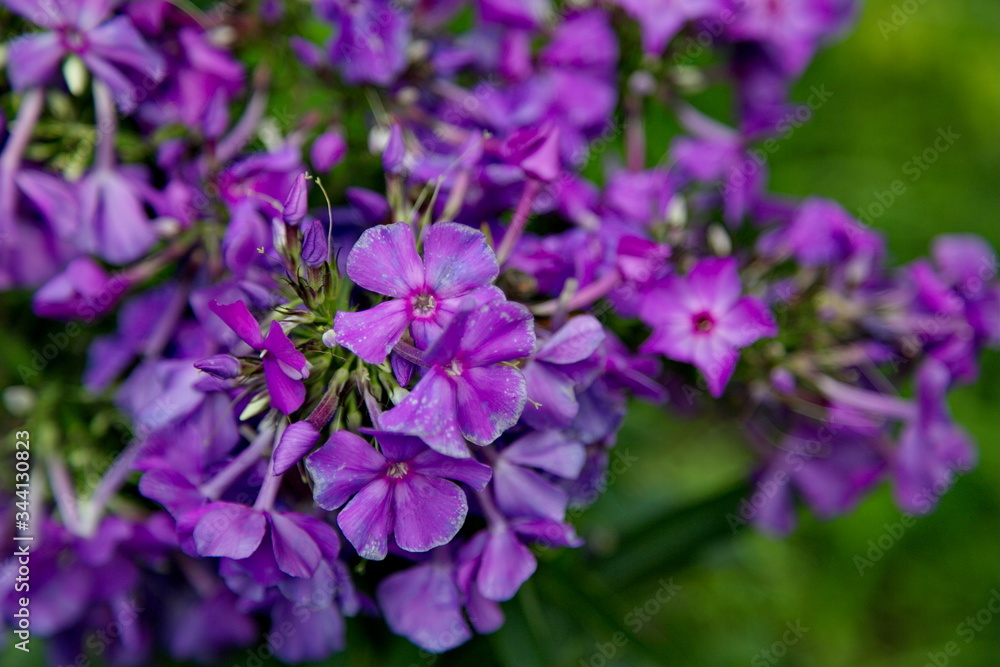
(385,260)
(522,492)
(287,394)
(457,259)
(748,321)
(575,341)
(367,520)
(343,466)
(490,401)
(237,317)
(428,512)
(294,549)
(33,59)
(229,530)
(429,412)
(371,334)
(550,451)
(423,605)
(552,397)
(505,565)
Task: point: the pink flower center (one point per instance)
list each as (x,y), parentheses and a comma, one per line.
(398,470)
(702,322)
(423,305)
(74,40)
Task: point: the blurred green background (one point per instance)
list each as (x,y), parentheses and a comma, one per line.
(661,528)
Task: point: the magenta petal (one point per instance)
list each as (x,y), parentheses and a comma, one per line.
(673,336)
(238,318)
(748,321)
(423,605)
(385,260)
(498,332)
(367,520)
(716,360)
(715,284)
(295,442)
(428,511)
(457,259)
(294,549)
(229,530)
(575,341)
(118,41)
(429,412)
(371,334)
(33,59)
(490,401)
(505,565)
(287,394)
(343,466)
(278,344)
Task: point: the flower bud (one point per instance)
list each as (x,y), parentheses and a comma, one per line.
(327,151)
(222,366)
(295,442)
(314,249)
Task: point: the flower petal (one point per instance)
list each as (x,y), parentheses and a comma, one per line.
(343,466)
(748,321)
(294,548)
(505,565)
(33,59)
(229,530)
(429,412)
(457,259)
(372,333)
(287,394)
(385,260)
(575,341)
(367,520)
(428,511)
(238,318)
(279,345)
(489,401)
(423,605)
(715,284)
(498,332)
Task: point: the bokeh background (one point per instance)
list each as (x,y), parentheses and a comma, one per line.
(908,70)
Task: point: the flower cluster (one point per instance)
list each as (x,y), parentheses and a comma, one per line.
(410,335)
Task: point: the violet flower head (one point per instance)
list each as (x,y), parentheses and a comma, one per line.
(82,291)
(402,490)
(112,49)
(284,366)
(702,320)
(468,392)
(932,448)
(457,263)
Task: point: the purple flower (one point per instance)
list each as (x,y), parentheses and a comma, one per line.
(467,391)
(521,491)
(424,604)
(932,448)
(371,43)
(231,530)
(284,366)
(83,291)
(112,49)
(113,220)
(557,369)
(701,319)
(295,442)
(402,490)
(426,294)
(327,151)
